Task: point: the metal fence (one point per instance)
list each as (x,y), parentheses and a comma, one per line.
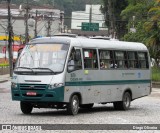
(4,70)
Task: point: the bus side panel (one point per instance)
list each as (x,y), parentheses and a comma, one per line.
(72,85)
(140,90)
(84,84)
(97,86)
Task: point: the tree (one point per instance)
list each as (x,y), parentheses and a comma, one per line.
(152,28)
(138,36)
(147,24)
(138,9)
(112,10)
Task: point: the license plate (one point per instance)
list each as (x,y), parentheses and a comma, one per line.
(31,93)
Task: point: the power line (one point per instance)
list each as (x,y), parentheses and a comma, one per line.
(41,28)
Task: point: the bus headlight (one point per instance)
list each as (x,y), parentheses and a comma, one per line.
(52,86)
(13,85)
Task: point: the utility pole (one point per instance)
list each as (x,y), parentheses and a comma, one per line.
(48,28)
(36,19)
(111,19)
(10,39)
(26,23)
(49,25)
(61,20)
(90,12)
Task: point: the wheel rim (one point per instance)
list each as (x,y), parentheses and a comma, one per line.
(75,105)
(127,101)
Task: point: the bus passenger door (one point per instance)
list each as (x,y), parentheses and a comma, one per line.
(90,61)
(73,75)
(91,93)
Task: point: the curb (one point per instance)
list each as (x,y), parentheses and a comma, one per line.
(3,81)
(156,84)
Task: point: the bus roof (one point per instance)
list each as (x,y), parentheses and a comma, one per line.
(94,43)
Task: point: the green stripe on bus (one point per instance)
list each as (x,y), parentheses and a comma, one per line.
(116,82)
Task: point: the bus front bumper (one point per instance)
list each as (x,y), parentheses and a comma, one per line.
(54,95)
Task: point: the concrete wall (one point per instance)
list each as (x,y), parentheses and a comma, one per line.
(19,27)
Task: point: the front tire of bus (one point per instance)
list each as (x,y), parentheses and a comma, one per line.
(73,105)
(26,107)
(125,103)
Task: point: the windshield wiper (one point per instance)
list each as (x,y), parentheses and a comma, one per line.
(25,68)
(45,69)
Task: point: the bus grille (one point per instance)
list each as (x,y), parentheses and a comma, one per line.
(32,86)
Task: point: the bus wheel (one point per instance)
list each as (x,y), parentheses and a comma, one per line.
(87,106)
(125,103)
(26,107)
(73,105)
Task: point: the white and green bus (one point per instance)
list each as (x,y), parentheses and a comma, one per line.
(72,73)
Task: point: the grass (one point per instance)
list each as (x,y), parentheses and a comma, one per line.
(155,74)
(4,64)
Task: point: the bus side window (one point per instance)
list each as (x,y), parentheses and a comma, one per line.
(147,63)
(90,58)
(78,61)
(75,61)
(132,59)
(120,57)
(143,60)
(105,59)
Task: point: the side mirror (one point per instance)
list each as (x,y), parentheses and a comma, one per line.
(71,66)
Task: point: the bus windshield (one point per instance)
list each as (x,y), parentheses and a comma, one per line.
(43,58)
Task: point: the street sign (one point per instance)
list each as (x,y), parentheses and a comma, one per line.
(90,26)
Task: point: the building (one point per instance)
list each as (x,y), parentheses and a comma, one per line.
(91,14)
(47,19)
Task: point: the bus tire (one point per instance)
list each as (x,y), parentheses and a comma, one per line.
(125,103)
(87,106)
(26,107)
(73,105)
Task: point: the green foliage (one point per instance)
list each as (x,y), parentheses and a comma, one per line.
(3,65)
(147,24)
(153,31)
(116,7)
(156,74)
(138,8)
(138,36)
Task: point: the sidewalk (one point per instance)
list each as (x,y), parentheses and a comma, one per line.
(5,78)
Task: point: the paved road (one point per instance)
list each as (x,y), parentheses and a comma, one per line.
(143,111)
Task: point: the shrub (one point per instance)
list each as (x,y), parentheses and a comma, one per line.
(4,64)
(156,74)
